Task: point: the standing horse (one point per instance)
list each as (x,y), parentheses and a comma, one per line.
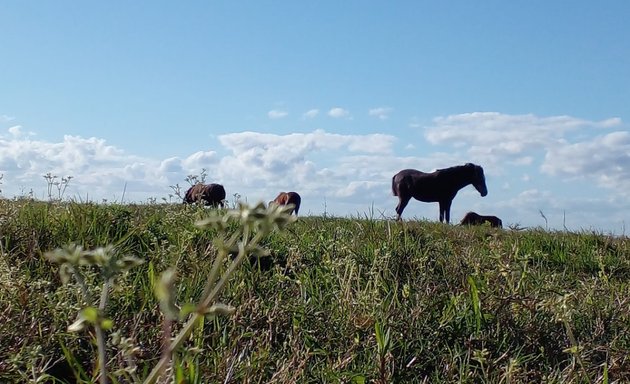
(473,218)
(440,186)
(286,198)
(210,194)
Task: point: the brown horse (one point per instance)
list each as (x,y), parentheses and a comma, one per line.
(209,194)
(286,198)
(472,218)
(440,186)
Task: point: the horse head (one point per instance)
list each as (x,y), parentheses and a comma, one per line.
(478,179)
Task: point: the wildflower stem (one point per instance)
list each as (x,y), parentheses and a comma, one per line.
(204,304)
(100,337)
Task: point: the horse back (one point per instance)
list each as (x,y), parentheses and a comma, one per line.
(216,191)
(211,194)
(286,198)
(194,193)
(423,186)
(473,218)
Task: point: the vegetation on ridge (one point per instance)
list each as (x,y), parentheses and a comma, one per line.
(335,300)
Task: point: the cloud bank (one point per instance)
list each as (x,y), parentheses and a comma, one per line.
(571,147)
(351,173)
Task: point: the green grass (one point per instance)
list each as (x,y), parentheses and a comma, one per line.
(346,300)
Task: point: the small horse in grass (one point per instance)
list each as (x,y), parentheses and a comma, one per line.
(440,186)
(286,198)
(472,218)
(209,194)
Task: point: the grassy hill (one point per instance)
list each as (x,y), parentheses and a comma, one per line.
(348,300)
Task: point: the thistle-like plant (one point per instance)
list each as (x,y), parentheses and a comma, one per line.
(194,179)
(72,260)
(61,186)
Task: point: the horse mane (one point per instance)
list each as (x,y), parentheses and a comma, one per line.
(457,168)
(466,169)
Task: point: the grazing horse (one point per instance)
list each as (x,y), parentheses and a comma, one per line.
(472,218)
(210,194)
(440,186)
(286,198)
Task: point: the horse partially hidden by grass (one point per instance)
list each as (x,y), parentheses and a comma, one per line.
(286,198)
(208,194)
(440,186)
(473,218)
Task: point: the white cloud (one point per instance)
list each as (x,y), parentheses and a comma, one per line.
(315,163)
(277,114)
(257,155)
(502,134)
(338,113)
(311,114)
(200,160)
(499,140)
(172,165)
(612,122)
(355,188)
(381,113)
(316,140)
(98,170)
(604,158)
(15,131)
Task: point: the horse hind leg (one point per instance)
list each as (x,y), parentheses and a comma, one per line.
(402,203)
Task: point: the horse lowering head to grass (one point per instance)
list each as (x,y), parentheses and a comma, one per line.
(440,186)
(473,218)
(286,198)
(208,194)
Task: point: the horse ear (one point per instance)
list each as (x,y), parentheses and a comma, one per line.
(479,170)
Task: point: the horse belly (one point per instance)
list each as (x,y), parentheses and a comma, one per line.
(426,196)
(423,187)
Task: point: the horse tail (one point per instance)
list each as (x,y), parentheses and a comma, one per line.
(394,189)
(295,199)
(297,205)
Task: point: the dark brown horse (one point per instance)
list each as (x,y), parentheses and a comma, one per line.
(473,218)
(209,194)
(286,198)
(440,186)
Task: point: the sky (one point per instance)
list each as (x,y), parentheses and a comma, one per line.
(327,98)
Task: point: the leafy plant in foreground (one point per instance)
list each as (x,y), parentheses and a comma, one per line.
(233,242)
(71,259)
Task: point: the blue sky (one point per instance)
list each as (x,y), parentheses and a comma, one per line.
(329,99)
